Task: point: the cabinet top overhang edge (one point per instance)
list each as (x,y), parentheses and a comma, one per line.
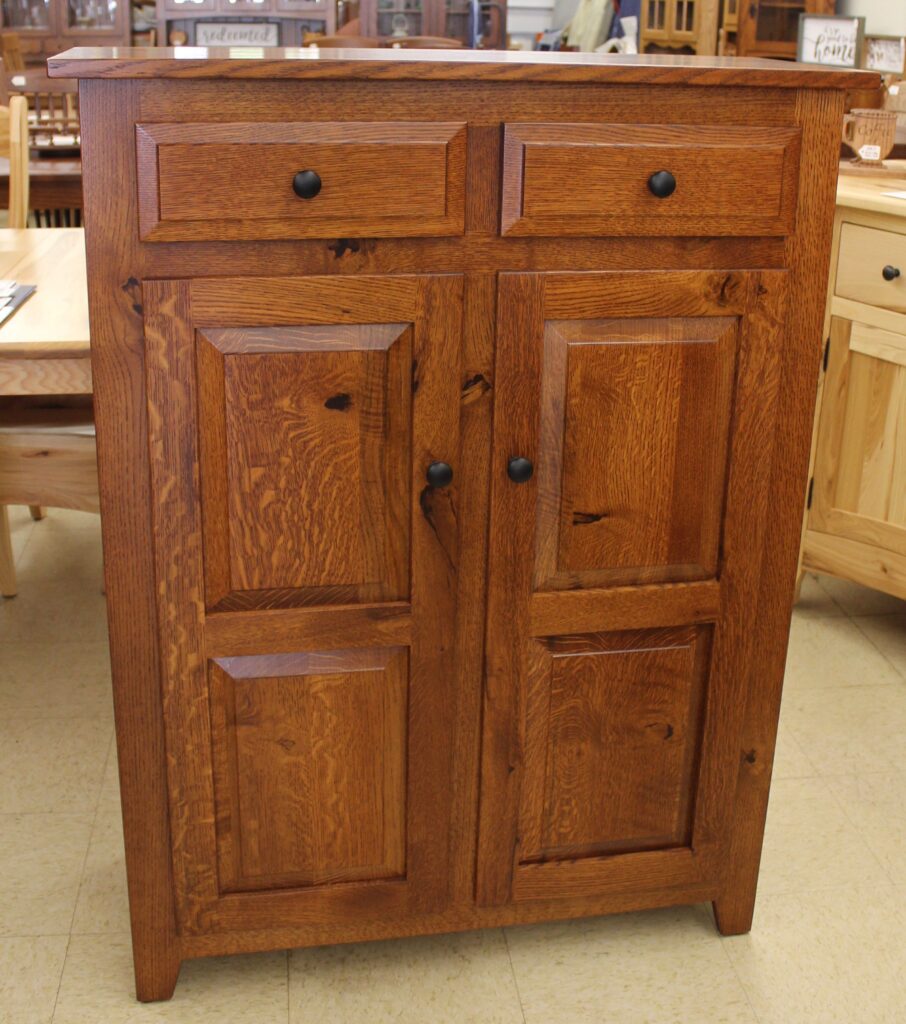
(447,65)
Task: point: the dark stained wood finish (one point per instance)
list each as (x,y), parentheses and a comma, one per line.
(593,179)
(380,179)
(310,740)
(310,506)
(335,676)
(487,65)
(747,312)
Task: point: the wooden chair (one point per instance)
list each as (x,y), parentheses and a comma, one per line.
(47,458)
(14,143)
(423,43)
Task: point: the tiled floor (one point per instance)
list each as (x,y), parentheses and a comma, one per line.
(829,942)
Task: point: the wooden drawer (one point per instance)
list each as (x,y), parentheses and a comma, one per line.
(864,255)
(200,182)
(591,179)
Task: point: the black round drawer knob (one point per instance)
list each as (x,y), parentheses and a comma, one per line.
(439,474)
(307,184)
(519,470)
(890,273)
(662,184)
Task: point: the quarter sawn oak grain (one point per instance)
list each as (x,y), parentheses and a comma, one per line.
(350,704)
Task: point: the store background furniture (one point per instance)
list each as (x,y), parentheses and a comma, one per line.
(47,446)
(384,670)
(291,19)
(45,27)
(688,25)
(855,523)
(445,18)
(770,28)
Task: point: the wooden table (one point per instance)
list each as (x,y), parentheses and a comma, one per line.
(44,346)
(54,183)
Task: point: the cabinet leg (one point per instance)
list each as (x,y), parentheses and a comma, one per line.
(733,912)
(155,975)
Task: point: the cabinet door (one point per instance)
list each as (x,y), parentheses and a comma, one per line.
(618,640)
(857,522)
(306,588)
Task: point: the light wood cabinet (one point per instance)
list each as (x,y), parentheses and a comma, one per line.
(689,25)
(450,552)
(855,524)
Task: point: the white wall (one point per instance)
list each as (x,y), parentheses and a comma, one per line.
(882,17)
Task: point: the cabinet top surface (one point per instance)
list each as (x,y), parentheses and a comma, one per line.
(469,65)
(858,193)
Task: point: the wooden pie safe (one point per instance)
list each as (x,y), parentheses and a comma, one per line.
(453,422)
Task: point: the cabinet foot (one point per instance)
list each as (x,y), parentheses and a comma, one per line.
(155,977)
(733,914)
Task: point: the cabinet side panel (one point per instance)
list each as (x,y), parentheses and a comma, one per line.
(108,110)
(808,253)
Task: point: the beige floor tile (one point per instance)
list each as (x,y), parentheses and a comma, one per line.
(832,957)
(52,765)
(443,979)
(888,634)
(55,680)
(814,600)
(64,545)
(855,599)
(30,970)
(849,730)
(828,652)
(54,610)
(790,761)
(809,843)
(41,859)
(876,805)
(98,988)
(658,968)
(103,903)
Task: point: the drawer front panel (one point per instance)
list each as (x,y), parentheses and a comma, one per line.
(865,254)
(206,182)
(589,179)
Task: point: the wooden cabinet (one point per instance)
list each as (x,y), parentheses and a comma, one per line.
(855,523)
(45,27)
(689,25)
(451,19)
(451,508)
(770,28)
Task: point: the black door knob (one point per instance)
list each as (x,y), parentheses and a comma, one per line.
(890,273)
(662,184)
(439,474)
(519,470)
(307,184)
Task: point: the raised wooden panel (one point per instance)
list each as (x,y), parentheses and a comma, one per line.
(612,735)
(306,444)
(633,450)
(860,460)
(310,767)
(378,180)
(590,179)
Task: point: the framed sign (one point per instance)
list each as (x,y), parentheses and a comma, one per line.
(831,40)
(886,54)
(237,33)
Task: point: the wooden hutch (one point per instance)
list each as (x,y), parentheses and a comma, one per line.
(688,25)
(770,28)
(448,18)
(244,22)
(45,27)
